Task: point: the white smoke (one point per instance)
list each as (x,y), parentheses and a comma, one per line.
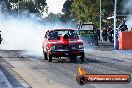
(127,6)
(24,33)
(21,34)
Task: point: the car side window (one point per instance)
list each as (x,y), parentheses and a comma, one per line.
(53,35)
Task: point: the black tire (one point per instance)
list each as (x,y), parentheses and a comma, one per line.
(45,55)
(82,58)
(49,56)
(73,57)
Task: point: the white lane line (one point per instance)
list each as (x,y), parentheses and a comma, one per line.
(4,83)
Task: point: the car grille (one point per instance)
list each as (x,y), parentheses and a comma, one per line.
(66,47)
(74,47)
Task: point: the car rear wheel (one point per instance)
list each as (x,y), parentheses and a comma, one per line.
(45,55)
(82,57)
(49,57)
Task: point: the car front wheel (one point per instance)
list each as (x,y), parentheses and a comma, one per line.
(45,55)
(73,57)
(49,56)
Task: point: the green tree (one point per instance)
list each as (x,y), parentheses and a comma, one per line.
(40,5)
(86,10)
(108,9)
(52,18)
(67,10)
(30,6)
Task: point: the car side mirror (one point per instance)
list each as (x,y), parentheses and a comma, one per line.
(45,36)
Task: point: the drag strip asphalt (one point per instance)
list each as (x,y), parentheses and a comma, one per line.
(62,74)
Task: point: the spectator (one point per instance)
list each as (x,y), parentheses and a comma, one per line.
(110,34)
(104,34)
(123,27)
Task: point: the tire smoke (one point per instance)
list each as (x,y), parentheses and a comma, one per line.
(24,33)
(127,5)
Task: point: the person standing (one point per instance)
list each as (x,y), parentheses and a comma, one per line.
(104,34)
(123,27)
(110,34)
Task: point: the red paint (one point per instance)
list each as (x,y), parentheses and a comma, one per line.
(125,40)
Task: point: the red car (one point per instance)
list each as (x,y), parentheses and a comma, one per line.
(62,43)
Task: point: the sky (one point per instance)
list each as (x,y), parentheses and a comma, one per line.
(55,6)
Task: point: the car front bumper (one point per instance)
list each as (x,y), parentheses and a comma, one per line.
(66,53)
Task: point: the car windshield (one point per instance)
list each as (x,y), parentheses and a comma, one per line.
(57,33)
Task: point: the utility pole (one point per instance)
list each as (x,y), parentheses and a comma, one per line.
(115,35)
(100,21)
(18,9)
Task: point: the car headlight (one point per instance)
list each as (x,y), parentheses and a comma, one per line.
(52,48)
(80,46)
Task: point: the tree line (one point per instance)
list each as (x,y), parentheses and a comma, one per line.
(32,6)
(89,10)
(73,10)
